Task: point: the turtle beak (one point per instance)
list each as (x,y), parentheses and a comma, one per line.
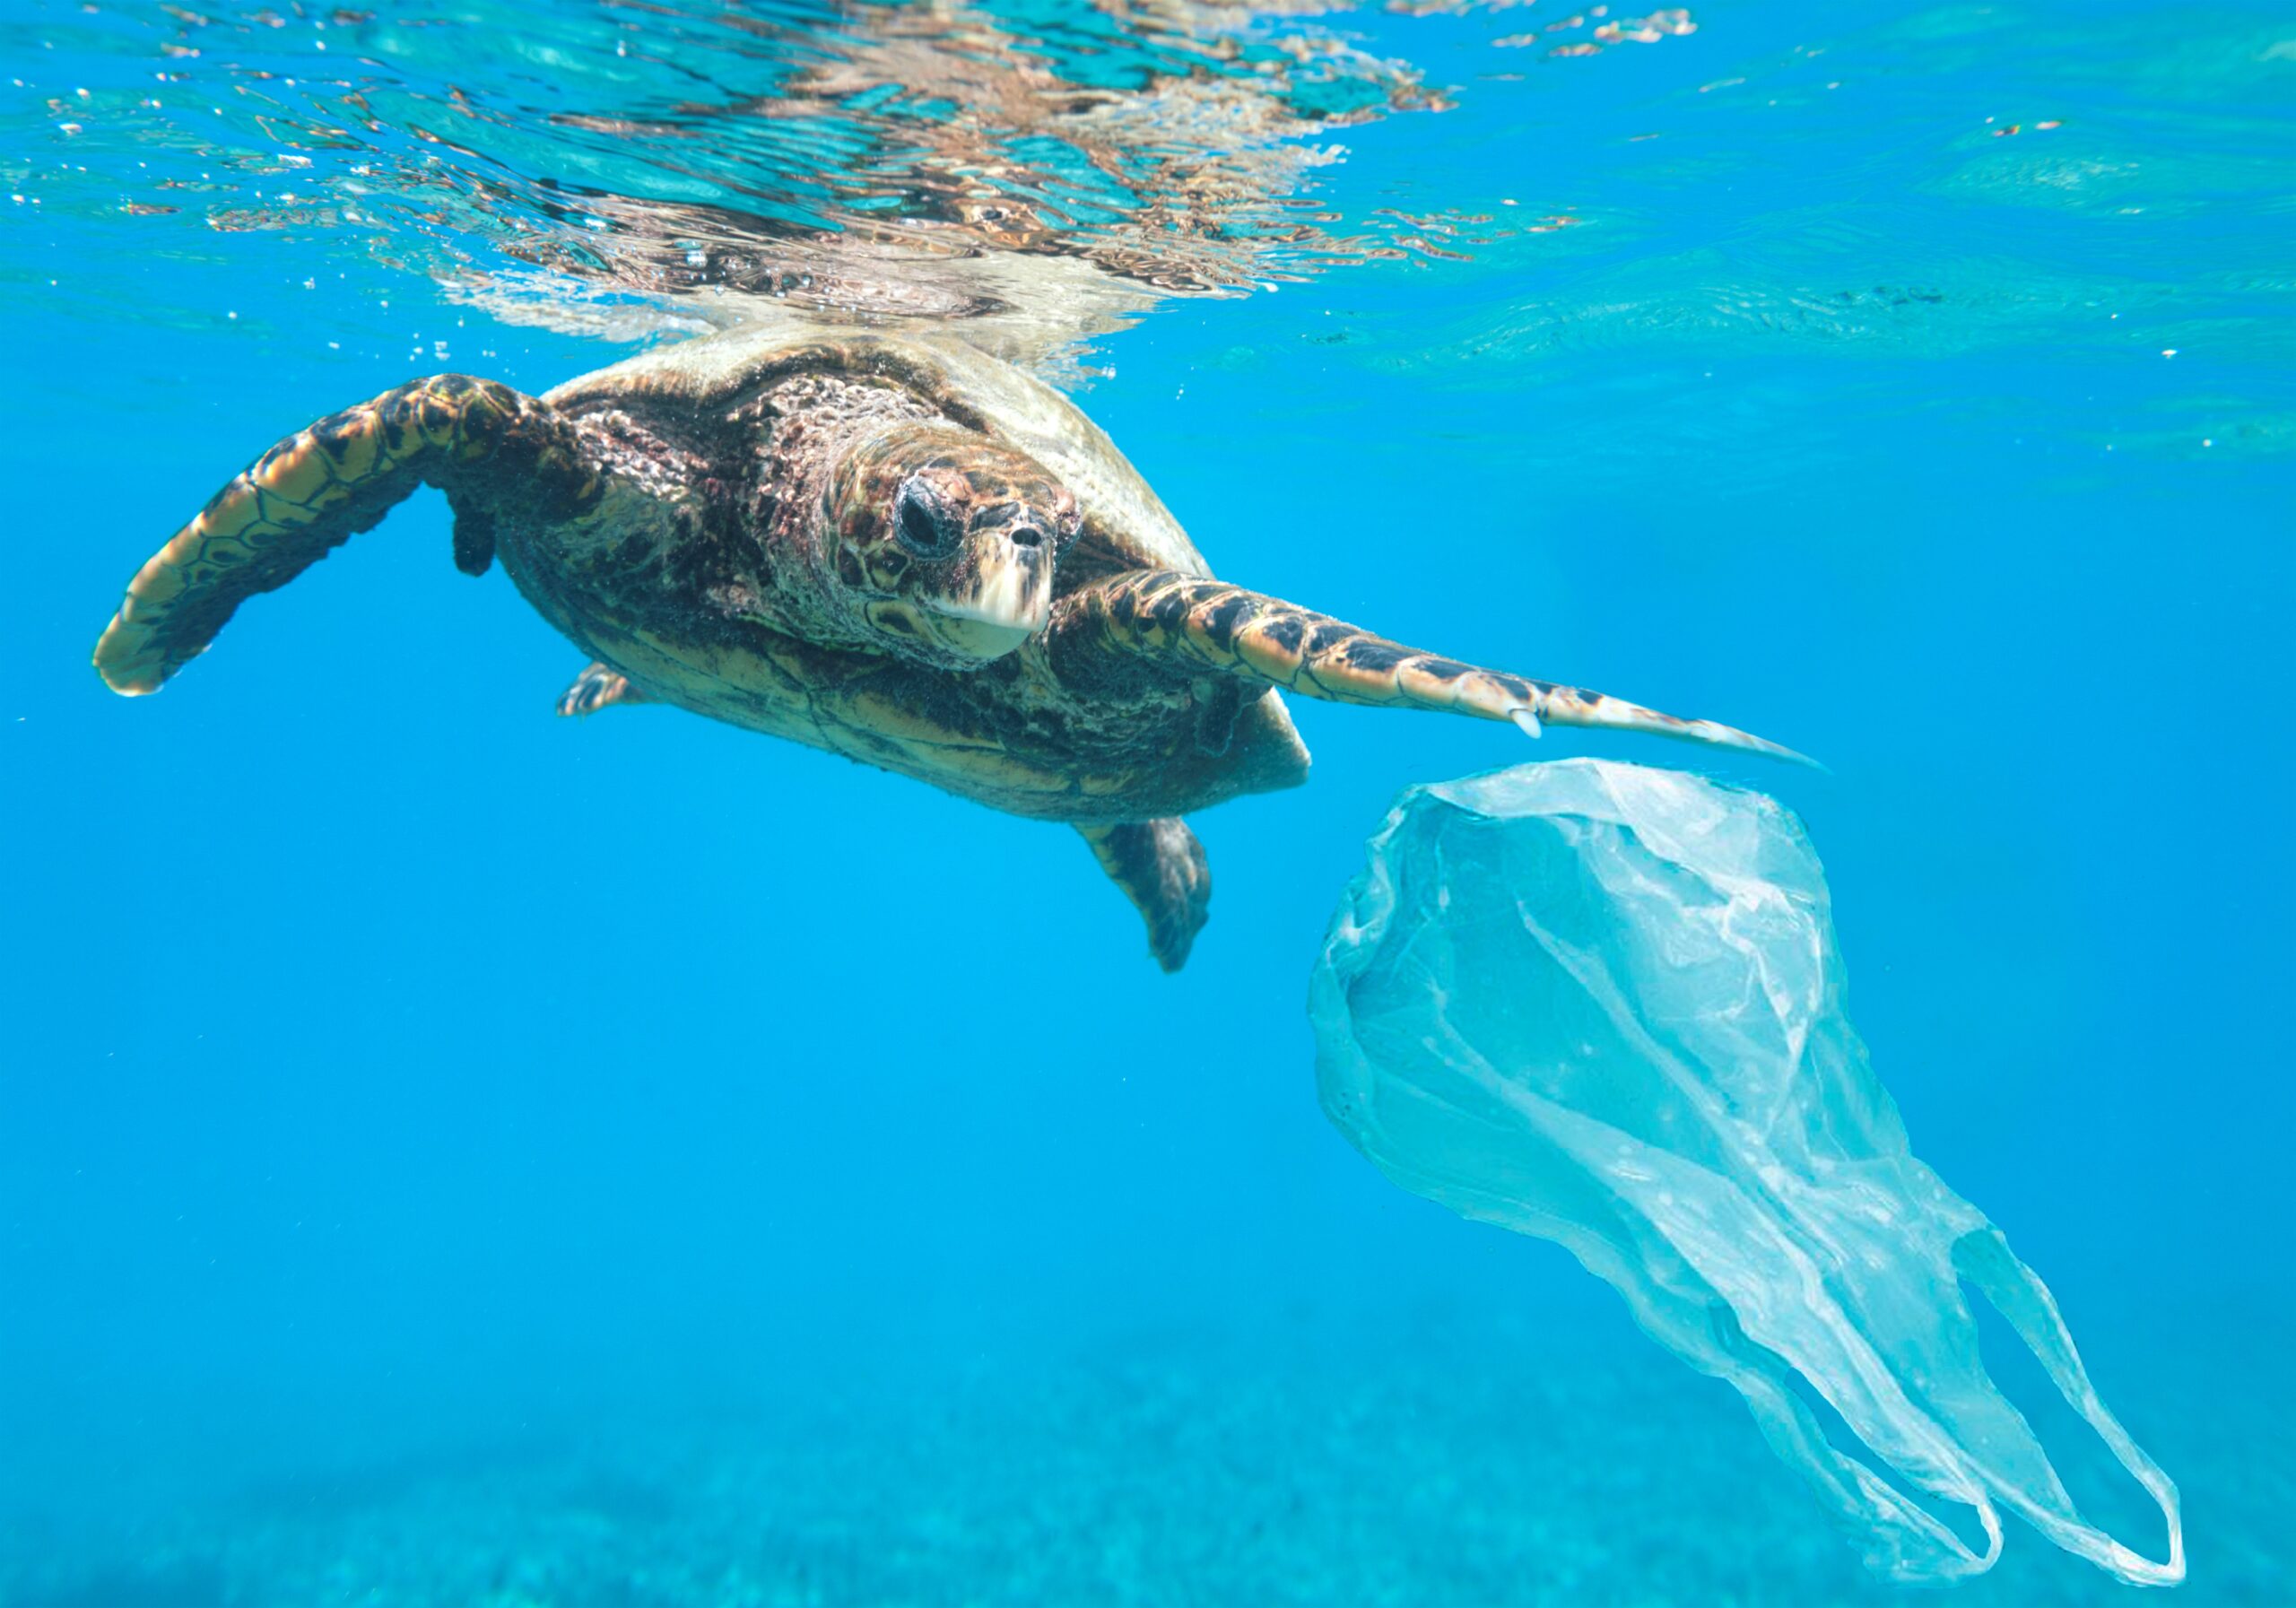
(1003,597)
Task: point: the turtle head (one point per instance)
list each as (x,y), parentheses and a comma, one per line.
(940,542)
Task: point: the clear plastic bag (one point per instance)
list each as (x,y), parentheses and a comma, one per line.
(1603,1004)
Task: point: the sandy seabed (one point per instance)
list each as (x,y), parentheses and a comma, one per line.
(1451,1467)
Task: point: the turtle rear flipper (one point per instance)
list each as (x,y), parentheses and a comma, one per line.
(1159,866)
(323,485)
(600,686)
(1184,626)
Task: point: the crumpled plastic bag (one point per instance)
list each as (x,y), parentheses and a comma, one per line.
(1603,1004)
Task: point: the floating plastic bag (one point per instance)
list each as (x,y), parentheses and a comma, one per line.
(1602,1004)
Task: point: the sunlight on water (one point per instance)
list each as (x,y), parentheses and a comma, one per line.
(836,155)
(1052,172)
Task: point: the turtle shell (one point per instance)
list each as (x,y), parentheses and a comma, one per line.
(1126,526)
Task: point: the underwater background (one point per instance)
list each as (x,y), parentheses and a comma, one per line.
(454,1155)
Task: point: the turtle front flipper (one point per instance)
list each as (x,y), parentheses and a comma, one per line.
(1159,866)
(1187,627)
(323,485)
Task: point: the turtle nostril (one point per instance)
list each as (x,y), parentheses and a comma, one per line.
(1027,535)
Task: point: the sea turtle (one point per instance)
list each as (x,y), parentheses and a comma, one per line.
(897,549)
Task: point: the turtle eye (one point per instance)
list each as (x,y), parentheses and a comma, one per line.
(926,528)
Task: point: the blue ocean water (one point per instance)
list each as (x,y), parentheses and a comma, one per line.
(454,1155)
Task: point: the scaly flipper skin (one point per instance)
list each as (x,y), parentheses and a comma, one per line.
(599,687)
(1184,626)
(1159,866)
(320,487)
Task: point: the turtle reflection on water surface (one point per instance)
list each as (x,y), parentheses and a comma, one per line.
(898,549)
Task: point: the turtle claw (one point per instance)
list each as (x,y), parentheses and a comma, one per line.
(1528,722)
